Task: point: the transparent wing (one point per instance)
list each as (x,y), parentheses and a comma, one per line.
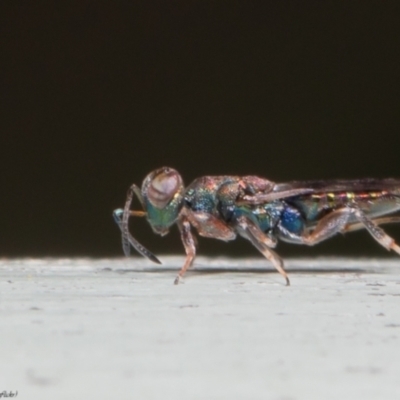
(274,195)
(341,185)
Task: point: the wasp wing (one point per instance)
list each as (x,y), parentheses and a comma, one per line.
(274,195)
(390,185)
(302,188)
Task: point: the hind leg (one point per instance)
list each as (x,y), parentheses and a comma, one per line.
(338,222)
(377,232)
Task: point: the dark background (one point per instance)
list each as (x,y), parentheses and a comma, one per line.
(97,94)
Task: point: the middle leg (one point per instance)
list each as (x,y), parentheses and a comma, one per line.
(262,243)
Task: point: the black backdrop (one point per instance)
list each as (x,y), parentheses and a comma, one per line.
(96,94)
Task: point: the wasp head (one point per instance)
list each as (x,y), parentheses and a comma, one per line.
(162,192)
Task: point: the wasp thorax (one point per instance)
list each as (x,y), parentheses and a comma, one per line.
(161,186)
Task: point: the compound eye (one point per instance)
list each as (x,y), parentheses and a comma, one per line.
(163,187)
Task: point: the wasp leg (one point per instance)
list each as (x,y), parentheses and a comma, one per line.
(207,225)
(377,232)
(210,226)
(189,243)
(327,227)
(337,221)
(378,221)
(262,243)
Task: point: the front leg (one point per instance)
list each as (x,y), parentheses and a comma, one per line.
(210,226)
(189,243)
(207,225)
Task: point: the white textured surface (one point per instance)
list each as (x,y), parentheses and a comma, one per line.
(108,329)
